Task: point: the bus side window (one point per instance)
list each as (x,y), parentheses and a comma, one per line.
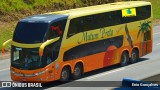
(82,24)
(52,33)
(89,22)
(56,29)
(142,13)
(76,26)
(100,20)
(108,19)
(113,18)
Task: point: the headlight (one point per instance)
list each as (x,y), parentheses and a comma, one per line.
(39,73)
(17,74)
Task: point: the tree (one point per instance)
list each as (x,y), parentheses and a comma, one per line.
(144,29)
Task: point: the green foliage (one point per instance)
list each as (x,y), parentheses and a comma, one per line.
(6,32)
(13,5)
(144,27)
(156,8)
(20,5)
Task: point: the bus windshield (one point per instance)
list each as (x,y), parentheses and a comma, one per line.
(27,59)
(30,32)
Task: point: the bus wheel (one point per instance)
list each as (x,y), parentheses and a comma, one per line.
(124,59)
(134,56)
(77,71)
(64,74)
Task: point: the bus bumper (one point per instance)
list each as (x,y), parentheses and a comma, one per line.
(31,76)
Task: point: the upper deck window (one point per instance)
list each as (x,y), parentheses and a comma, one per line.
(36,32)
(56,29)
(106,19)
(28,32)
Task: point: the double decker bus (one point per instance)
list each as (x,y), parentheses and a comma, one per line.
(64,44)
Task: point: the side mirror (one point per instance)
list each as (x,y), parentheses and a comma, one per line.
(4,44)
(41,49)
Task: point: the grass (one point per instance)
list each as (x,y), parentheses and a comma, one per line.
(156,8)
(6,31)
(20,5)
(13,10)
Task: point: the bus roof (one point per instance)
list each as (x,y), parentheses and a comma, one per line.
(45,18)
(73,13)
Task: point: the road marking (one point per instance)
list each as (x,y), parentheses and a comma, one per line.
(110,88)
(158,44)
(157,33)
(106,73)
(4,69)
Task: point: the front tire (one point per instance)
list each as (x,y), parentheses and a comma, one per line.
(64,75)
(77,71)
(124,59)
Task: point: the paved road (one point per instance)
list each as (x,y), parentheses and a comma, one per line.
(147,67)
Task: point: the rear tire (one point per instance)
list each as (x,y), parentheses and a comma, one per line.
(134,56)
(77,71)
(65,75)
(124,59)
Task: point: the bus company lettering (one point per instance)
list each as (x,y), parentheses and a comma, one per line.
(105,32)
(86,36)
